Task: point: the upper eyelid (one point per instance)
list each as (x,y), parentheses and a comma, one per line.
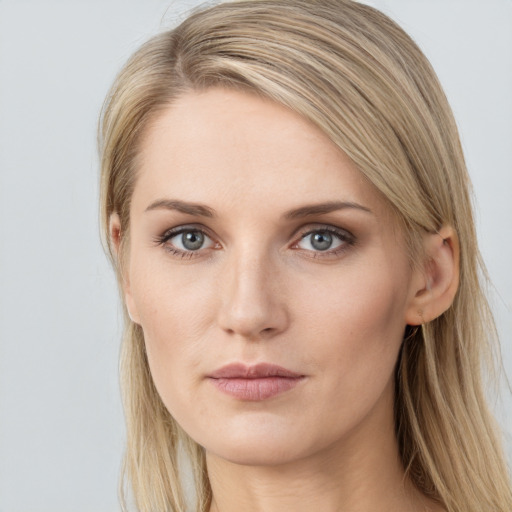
(169,233)
(306,230)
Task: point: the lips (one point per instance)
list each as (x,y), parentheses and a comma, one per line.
(254,383)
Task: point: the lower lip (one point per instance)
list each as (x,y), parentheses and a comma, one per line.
(255,389)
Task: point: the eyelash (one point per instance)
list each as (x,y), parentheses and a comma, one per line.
(348,240)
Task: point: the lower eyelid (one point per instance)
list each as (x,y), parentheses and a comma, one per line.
(179,253)
(336,253)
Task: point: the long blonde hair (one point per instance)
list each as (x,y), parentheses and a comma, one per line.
(354,73)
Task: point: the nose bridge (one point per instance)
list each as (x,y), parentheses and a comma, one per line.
(252,305)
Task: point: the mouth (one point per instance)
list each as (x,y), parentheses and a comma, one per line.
(254,383)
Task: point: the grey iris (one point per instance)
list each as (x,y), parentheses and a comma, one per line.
(321,241)
(192,240)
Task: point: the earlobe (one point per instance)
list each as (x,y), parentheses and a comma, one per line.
(115,243)
(130,305)
(436,282)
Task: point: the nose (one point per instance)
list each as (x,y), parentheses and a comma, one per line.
(252,298)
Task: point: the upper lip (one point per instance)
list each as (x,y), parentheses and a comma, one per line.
(256,371)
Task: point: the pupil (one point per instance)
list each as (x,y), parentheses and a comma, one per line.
(321,241)
(192,240)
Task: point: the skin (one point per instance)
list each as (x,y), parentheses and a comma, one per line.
(259,290)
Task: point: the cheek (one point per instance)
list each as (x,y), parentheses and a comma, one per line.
(356,321)
(175,313)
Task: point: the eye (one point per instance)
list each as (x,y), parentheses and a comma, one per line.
(325,240)
(191,240)
(184,241)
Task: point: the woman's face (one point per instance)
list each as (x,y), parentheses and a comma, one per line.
(270,279)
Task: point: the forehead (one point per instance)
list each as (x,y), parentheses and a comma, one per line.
(240,150)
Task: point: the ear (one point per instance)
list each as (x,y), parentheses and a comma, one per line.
(115,235)
(435,282)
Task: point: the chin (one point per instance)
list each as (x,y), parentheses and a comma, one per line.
(262,453)
(269,445)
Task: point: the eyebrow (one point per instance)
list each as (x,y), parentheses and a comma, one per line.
(181,206)
(297,213)
(322,208)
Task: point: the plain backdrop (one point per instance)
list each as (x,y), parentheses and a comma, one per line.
(61,424)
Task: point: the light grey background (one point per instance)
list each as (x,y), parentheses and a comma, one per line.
(61,426)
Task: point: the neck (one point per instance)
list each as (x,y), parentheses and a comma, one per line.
(360,473)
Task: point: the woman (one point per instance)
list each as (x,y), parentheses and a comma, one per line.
(286,204)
